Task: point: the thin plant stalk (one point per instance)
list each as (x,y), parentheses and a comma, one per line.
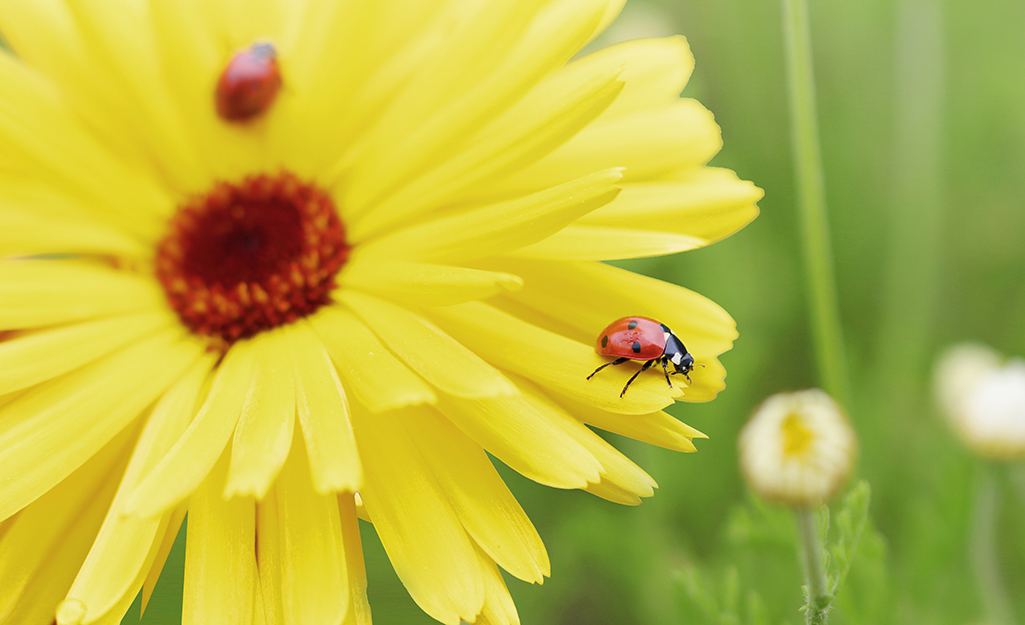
(819,600)
(983,549)
(915,256)
(818,260)
(811,200)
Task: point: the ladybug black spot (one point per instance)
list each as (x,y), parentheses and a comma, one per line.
(636,347)
(605,341)
(631,325)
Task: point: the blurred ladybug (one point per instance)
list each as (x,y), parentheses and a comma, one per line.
(644,339)
(249,83)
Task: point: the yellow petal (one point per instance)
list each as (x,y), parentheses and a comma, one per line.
(45,35)
(69,612)
(193,455)
(24,233)
(422,534)
(708,380)
(191,42)
(656,428)
(654,72)
(323,413)
(399,47)
(195,40)
(126,545)
(56,426)
(552,360)
(177,516)
(34,358)
(45,544)
(548,116)
(29,200)
(220,565)
(433,354)
(481,499)
(589,296)
(616,469)
(243,22)
(513,431)
(43,136)
(359,608)
(379,380)
(706,203)
(314,580)
(645,144)
(460,83)
(584,242)
(423,283)
(40,32)
(616,494)
(123,46)
(553,299)
(498,606)
(269,559)
(177,405)
(39,293)
(612,10)
(326,56)
(116,88)
(263,434)
(503,227)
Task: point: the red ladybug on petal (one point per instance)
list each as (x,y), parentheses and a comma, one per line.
(647,340)
(249,83)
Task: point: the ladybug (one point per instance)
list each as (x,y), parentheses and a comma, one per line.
(249,83)
(647,340)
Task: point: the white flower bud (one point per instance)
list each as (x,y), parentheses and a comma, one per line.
(797,448)
(993,419)
(957,371)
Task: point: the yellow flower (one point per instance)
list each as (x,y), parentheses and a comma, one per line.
(263,306)
(798,448)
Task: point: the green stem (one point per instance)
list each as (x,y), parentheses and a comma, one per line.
(811,200)
(983,549)
(1017,475)
(819,598)
(915,254)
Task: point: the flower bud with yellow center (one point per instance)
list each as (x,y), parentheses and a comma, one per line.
(798,448)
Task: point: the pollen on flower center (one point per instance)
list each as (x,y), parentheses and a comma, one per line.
(250,256)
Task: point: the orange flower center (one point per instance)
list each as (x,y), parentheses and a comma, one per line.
(251,256)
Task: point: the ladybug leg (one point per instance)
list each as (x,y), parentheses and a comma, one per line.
(617,361)
(634,376)
(665,369)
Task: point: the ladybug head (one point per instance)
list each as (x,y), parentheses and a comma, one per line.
(684,365)
(677,354)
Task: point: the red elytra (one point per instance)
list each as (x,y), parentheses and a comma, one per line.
(633,338)
(643,339)
(249,83)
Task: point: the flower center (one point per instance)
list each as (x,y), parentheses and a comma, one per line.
(251,256)
(797,438)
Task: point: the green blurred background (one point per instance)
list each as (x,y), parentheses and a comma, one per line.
(922,119)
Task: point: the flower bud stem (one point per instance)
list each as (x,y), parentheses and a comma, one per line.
(983,548)
(819,599)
